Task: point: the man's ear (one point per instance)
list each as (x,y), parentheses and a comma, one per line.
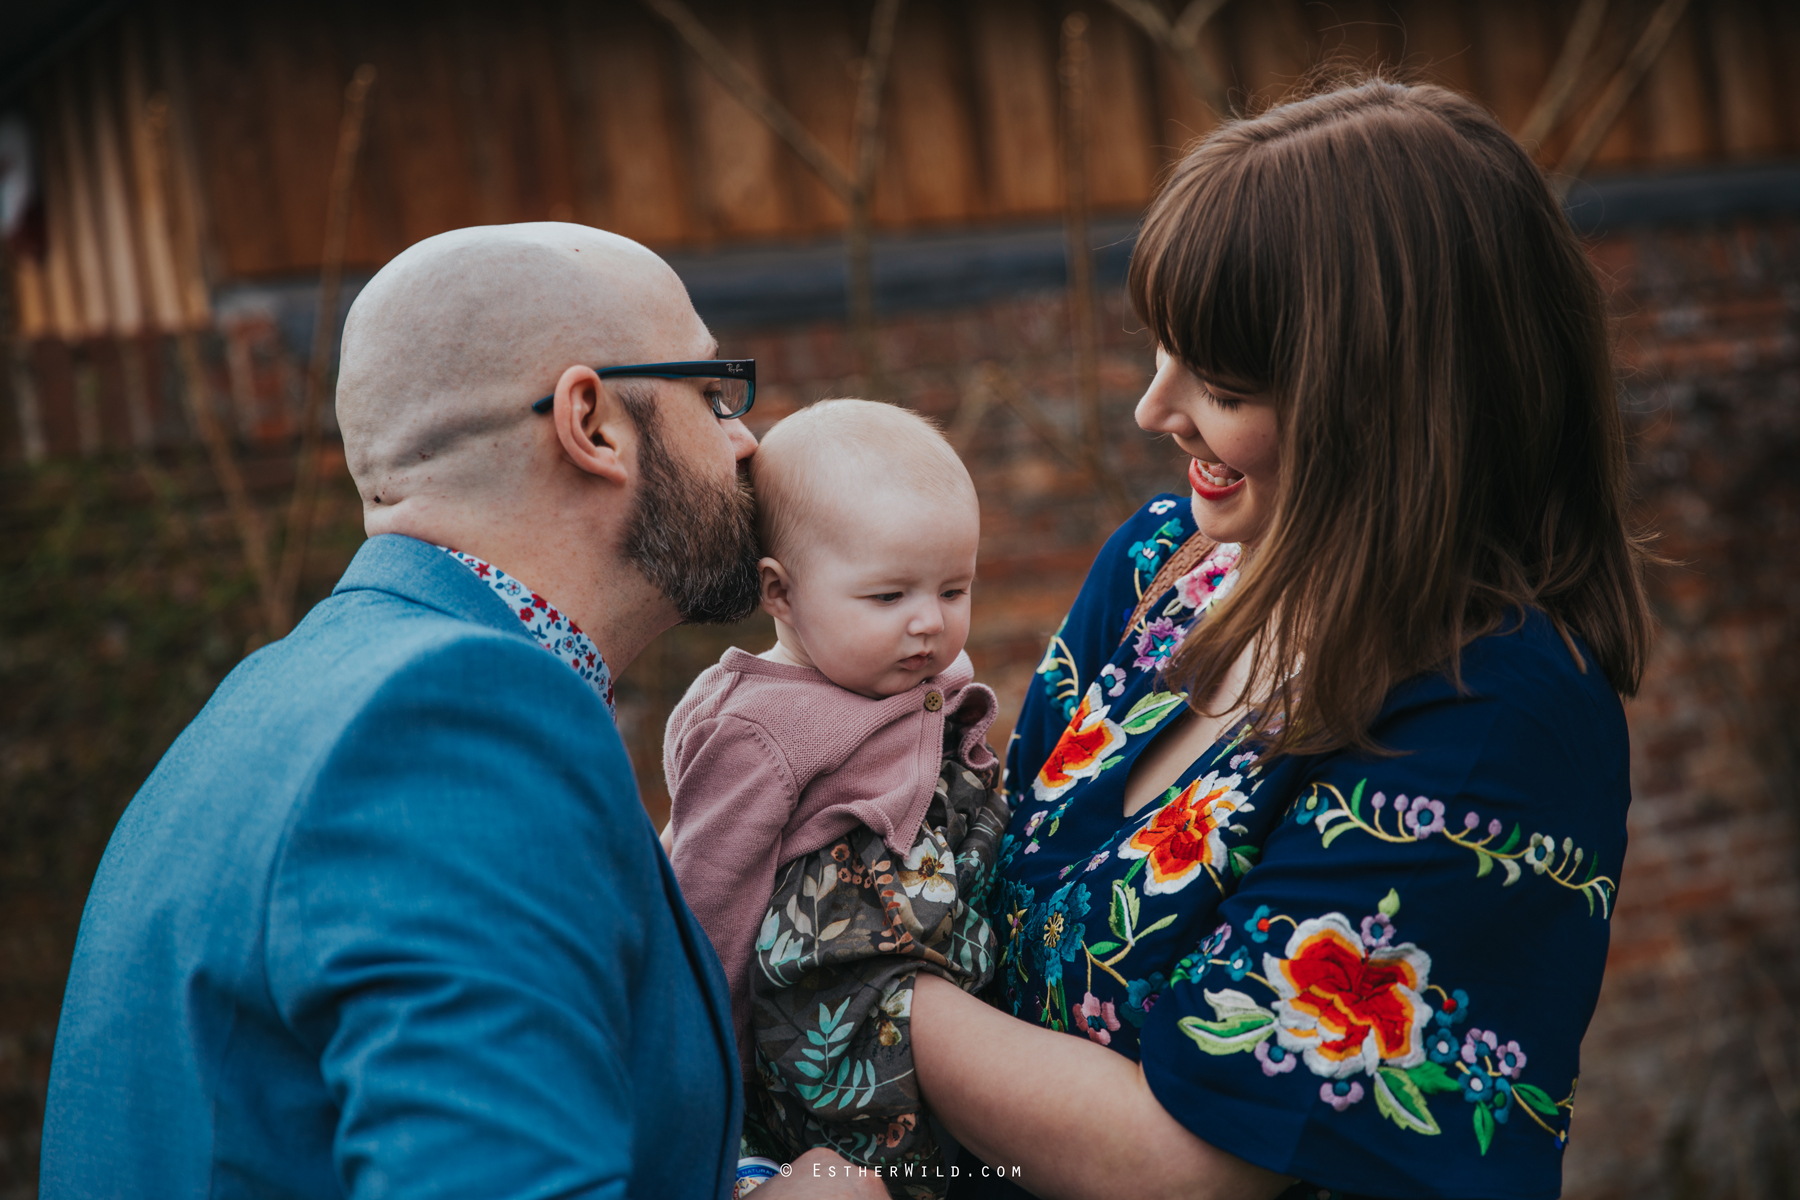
(777,590)
(591,424)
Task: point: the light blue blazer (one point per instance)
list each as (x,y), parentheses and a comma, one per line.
(389,920)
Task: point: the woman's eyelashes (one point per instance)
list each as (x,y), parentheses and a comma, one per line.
(1222,399)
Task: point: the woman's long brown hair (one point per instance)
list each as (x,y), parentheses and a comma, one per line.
(1388,266)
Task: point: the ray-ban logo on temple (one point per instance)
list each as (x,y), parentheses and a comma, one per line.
(730,382)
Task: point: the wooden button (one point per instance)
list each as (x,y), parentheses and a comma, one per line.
(934,701)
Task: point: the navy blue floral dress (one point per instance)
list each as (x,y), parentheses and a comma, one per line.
(1370,973)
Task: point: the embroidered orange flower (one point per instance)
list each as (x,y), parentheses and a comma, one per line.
(1081,750)
(1345,1011)
(1184,838)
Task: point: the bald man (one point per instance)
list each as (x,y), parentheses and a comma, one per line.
(388,919)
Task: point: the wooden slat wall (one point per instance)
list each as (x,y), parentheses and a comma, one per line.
(593,111)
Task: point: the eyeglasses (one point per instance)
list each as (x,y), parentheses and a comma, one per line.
(732,398)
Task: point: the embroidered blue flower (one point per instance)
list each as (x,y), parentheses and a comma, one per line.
(1258,924)
(1145,556)
(1057,928)
(1502,1101)
(1310,806)
(1192,968)
(1442,1046)
(1141,996)
(1240,963)
(1455,1010)
(1478,1085)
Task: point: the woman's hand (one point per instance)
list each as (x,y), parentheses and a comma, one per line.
(1079,1119)
(813,1180)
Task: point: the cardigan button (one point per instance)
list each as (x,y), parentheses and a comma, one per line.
(934,701)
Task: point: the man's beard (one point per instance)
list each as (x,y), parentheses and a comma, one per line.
(693,538)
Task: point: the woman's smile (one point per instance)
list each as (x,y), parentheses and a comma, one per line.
(1213,480)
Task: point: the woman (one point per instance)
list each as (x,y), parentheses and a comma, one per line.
(1348,906)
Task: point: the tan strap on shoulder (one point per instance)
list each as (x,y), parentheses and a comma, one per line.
(1185,558)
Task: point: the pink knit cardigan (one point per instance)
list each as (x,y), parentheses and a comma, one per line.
(767,762)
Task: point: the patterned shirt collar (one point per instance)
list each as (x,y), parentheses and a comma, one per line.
(554,630)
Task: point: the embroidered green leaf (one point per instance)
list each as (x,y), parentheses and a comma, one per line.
(1143,933)
(1400,1101)
(1431,1078)
(1593,865)
(1537,1097)
(1390,903)
(1486,861)
(1356,798)
(1107,764)
(1135,868)
(1124,913)
(1148,712)
(1512,840)
(1512,871)
(1484,1127)
(1243,858)
(1239,1032)
(1101,949)
(1335,831)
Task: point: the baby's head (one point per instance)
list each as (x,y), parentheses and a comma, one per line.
(870,525)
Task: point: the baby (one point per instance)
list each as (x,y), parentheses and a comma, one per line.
(833,808)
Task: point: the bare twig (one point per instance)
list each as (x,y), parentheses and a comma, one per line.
(1553,101)
(331,273)
(751,95)
(867,155)
(1002,387)
(1181,39)
(856,192)
(198,404)
(970,410)
(1618,93)
(196,401)
(1075,229)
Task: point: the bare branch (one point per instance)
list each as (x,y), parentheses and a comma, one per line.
(866,153)
(868,95)
(1553,101)
(1181,39)
(1618,93)
(751,95)
(1004,388)
(331,274)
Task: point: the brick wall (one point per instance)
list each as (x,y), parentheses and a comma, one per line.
(125,603)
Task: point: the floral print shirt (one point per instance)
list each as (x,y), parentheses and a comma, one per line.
(551,628)
(1372,973)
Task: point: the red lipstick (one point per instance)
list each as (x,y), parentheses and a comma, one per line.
(1205,488)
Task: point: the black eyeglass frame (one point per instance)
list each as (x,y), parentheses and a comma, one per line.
(711,368)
